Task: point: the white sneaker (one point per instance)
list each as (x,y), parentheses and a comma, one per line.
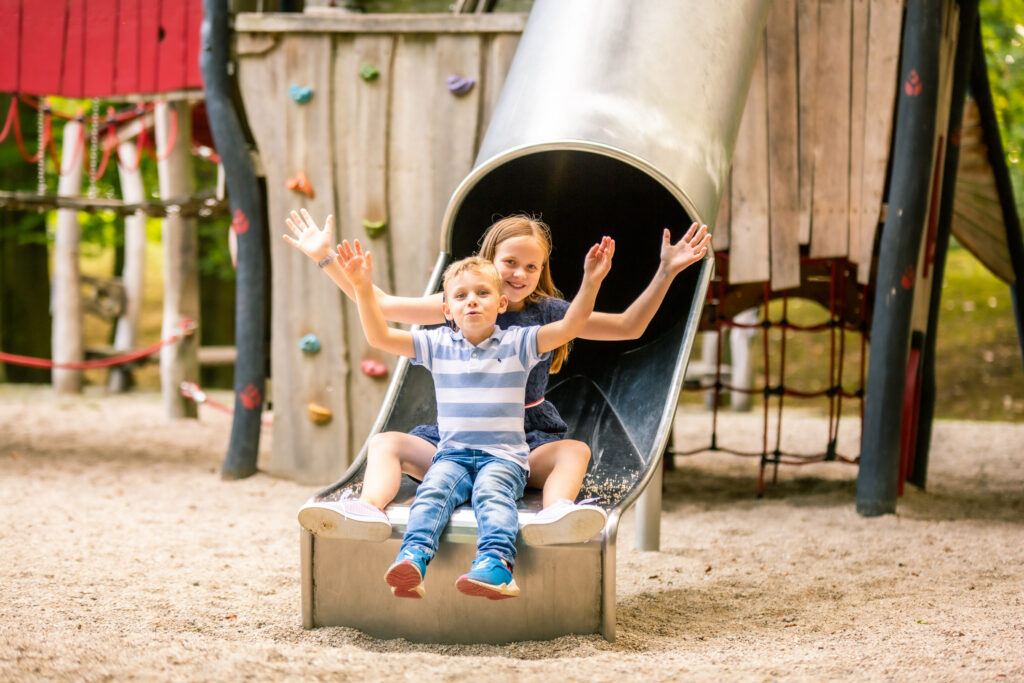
(565,522)
(352,520)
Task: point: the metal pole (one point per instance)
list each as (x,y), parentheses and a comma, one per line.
(648,513)
(900,246)
(250,226)
(961,74)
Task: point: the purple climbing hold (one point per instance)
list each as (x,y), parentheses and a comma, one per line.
(460,85)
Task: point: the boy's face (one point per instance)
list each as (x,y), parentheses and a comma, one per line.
(473,302)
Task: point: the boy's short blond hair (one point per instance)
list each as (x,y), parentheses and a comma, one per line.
(473,264)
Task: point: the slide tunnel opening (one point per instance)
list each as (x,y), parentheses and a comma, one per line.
(583,195)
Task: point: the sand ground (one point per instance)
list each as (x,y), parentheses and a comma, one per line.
(123,556)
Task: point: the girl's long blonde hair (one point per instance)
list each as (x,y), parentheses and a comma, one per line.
(521,225)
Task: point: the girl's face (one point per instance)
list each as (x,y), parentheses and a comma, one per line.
(520,261)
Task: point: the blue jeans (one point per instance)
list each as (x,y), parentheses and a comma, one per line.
(454,475)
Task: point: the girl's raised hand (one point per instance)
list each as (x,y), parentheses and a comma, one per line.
(599,259)
(307,237)
(690,248)
(357,264)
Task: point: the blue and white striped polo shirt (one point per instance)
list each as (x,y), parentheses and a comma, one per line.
(481,390)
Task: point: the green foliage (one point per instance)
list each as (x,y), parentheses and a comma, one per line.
(1002,32)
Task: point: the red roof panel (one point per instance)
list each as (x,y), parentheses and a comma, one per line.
(99,48)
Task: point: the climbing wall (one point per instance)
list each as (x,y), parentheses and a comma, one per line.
(375,120)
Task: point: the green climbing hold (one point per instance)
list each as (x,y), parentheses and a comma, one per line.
(300,93)
(368,72)
(374,228)
(309,344)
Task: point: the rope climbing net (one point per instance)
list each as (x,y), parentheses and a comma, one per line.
(846,317)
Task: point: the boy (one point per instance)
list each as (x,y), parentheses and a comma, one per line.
(480,374)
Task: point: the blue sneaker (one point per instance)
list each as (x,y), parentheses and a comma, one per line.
(405,576)
(490,577)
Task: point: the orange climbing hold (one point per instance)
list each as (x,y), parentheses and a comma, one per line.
(300,183)
(319,414)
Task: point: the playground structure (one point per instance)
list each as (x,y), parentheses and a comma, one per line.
(383,117)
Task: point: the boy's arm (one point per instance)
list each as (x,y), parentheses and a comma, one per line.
(632,322)
(318,245)
(595,267)
(358,269)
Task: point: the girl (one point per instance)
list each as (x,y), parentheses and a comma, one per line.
(519,246)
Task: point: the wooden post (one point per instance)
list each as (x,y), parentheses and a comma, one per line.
(912,155)
(249,229)
(944,226)
(178,362)
(742,377)
(67,304)
(126,336)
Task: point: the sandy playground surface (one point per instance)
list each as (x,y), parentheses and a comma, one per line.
(123,556)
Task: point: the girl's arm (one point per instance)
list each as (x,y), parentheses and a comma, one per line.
(595,267)
(632,322)
(358,269)
(318,245)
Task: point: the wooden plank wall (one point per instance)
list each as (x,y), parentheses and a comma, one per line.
(978,221)
(390,150)
(810,160)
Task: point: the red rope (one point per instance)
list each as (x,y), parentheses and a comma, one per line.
(21,142)
(191,390)
(12,114)
(188,328)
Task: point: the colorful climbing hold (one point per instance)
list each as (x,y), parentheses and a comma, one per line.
(907,279)
(368,72)
(309,344)
(460,85)
(239,223)
(300,183)
(373,368)
(374,228)
(912,86)
(250,396)
(319,414)
(300,93)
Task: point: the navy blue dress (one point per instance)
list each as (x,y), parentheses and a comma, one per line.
(542,422)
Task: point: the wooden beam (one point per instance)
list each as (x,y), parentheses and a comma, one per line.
(830,201)
(361,174)
(885,19)
(178,362)
(67,307)
(783,139)
(126,336)
(329,21)
(204,204)
(749,245)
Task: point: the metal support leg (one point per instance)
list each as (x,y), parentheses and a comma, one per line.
(648,514)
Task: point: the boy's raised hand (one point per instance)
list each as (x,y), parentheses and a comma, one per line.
(690,248)
(307,237)
(599,259)
(357,264)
